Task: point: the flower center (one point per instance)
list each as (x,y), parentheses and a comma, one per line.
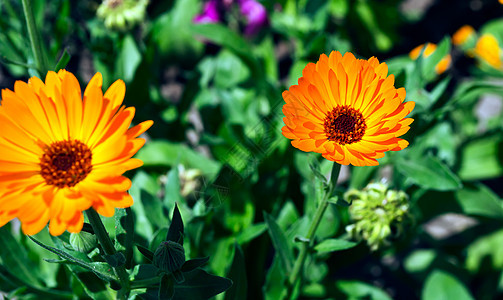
(344,125)
(66,163)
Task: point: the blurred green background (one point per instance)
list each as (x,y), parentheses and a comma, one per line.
(214,92)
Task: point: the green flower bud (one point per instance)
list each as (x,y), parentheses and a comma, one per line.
(83,241)
(169,256)
(122,14)
(377,214)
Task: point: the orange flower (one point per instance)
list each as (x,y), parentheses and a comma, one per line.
(61,155)
(442,65)
(347,109)
(463,35)
(488,50)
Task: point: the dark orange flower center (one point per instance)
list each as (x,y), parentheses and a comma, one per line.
(66,163)
(344,125)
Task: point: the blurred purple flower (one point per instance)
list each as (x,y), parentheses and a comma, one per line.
(255,13)
(210,13)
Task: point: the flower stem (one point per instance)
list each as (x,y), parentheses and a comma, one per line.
(109,249)
(304,247)
(33,33)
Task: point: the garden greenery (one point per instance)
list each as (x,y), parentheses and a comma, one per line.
(248,149)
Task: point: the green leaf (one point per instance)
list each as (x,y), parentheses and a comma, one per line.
(223,36)
(167,287)
(482,159)
(443,286)
(280,243)
(361,290)
(14,257)
(429,173)
(63,61)
(332,245)
(128,59)
(230,70)
(430,62)
(485,253)
(420,260)
(200,285)
(161,153)
(146,252)
(250,233)
(194,263)
(479,200)
(176,232)
(116,260)
(237,274)
(101,270)
(124,232)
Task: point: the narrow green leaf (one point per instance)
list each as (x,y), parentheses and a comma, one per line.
(102,270)
(63,61)
(128,59)
(175,232)
(443,286)
(14,257)
(237,274)
(332,245)
(280,243)
(166,288)
(146,252)
(200,285)
(194,263)
(251,232)
(430,173)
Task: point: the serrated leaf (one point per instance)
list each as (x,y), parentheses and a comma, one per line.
(280,243)
(429,173)
(124,232)
(332,245)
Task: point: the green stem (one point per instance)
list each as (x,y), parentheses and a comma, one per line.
(109,249)
(304,247)
(36,46)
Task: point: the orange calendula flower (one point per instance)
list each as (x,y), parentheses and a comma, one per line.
(463,34)
(442,65)
(488,50)
(61,155)
(347,109)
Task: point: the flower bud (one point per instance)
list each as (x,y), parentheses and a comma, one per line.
(169,256)
(83,241)
(377,214)
(122,14)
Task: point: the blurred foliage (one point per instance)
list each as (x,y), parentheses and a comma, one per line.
(215,97)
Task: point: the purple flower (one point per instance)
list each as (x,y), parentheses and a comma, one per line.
(210,13)
(255,13)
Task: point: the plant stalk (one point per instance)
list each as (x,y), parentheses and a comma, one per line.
(304,247)
(34,34)
(109,249)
